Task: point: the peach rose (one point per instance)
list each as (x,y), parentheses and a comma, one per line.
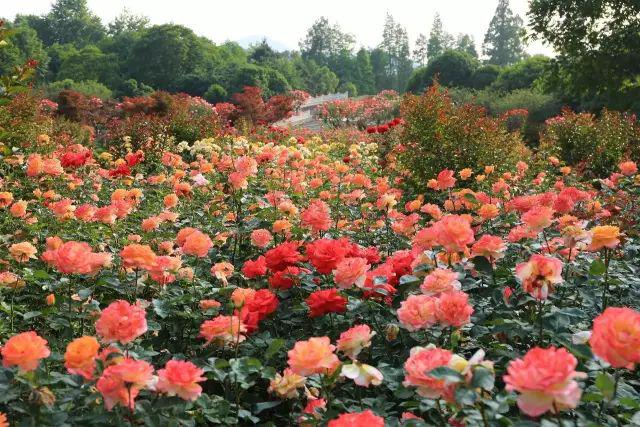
(23,251)
(439,281)
(314,356)
(354,340)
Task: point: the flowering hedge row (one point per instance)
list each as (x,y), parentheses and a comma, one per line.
(270,278)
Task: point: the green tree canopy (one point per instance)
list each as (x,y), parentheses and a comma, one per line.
(452,68)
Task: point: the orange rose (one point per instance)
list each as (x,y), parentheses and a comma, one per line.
(138,256)
(25,351)
(80,357)
(604,236)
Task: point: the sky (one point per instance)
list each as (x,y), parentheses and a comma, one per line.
(286,21)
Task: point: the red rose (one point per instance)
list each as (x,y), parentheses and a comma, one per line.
(325,254)
(282,256)
(253,269)
(326,301)
(286,278)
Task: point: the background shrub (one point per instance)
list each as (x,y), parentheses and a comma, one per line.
(440,134)
(596,145)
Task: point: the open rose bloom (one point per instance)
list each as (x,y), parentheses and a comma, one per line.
(545,381)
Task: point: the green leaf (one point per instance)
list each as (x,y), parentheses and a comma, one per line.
(261,406)
(465,396)
(605,384)
(597,267)
(483,378)
(31,315)
(445,373)
(160,308)
(273,348)
(409,279)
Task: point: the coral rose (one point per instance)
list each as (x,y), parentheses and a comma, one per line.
(453,309)
(180,378)
(351,271)
(545,380)
(76,258)
(196,243)
(121,383)
(317,216)
(419,364)
(454,233)
(121,322)
(357,419)
(417,312)
(616,337)
(223,330)
(261,238)
(138,256)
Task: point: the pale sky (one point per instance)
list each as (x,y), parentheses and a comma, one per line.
(286,21)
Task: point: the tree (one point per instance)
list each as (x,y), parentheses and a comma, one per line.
(420,51)
(465,43)
(523,74)
(452,68)
(90,63)
(127,22)
(324,40)
(395,43)
(484,76)
(596,44)
(262,53)
(364,78)
(439,40)
(71,21)
(164,52)
(503,42)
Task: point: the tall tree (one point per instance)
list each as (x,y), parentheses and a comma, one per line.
(465,43)
(395,43)
(324,40)
(503,42)
(420,50)
(439,39)
(364,78)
